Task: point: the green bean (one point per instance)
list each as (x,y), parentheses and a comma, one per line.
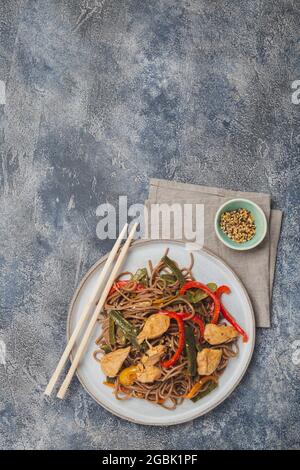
(195,296)
(203,394)
(175,270)
(169,278)
(121,337)
(141,276)
(190,348)
(126,327)
(106,348)
(110,380)
(111,331)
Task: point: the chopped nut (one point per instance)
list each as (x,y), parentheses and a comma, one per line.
(238,225)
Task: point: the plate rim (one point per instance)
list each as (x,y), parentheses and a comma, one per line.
(211,407)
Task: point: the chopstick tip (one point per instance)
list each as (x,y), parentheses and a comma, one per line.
(60,395)
(48,390)
(134,227)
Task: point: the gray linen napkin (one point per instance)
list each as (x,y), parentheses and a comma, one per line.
(255,267)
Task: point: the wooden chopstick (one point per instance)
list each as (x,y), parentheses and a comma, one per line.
(87,334)
(85,313)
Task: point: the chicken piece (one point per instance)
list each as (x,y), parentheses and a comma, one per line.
(112,362)
(155,326)
(218,334)
(149,374)
(144,371)
(208,360)
(153,355)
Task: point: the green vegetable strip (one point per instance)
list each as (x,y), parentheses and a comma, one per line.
(121,337)
(141,276)
(169,278)
(175,270)
(126,327)
(190,348)
(106,348)
(195,296)
(212,286)
(203,394)
(110,380)
(111,331)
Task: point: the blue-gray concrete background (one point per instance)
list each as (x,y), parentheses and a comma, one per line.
(100,96)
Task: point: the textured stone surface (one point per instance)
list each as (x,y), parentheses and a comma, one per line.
(100,96)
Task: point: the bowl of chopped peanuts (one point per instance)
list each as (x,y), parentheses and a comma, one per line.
(240,224)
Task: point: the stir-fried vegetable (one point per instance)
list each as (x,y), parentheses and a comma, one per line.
(200,323)
(120,336)
(145,371)
(128,375)
(196,387)
(106,348)
(128,330)
(111,331)
(175,270)
(198,295)
(109,384)
(110,380)
(190,348)
(203,287)
(170,362)
(195,319)
(226,290)
(203,394)
(169,278)
(141,276)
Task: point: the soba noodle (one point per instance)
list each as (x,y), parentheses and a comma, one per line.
(136,306)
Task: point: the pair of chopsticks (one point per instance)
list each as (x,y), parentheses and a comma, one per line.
(82,346)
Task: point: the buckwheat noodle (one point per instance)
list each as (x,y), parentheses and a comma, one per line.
(136,306)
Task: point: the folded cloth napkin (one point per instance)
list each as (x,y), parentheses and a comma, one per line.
(255,267)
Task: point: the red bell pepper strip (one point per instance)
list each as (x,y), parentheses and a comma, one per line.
(194,319)
(201,325)
(170,362)
(199,285)
(222,290)
(226,290)
(120,284)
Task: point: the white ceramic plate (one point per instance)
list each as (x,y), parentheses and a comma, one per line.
(207,268)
